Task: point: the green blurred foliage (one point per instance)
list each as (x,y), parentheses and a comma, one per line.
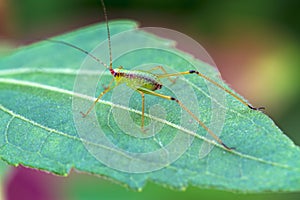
(206,15)
(78,189)
(217,21)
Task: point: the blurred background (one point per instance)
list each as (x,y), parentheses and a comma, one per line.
(255,44)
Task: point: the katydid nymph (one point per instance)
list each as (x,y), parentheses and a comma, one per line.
(148,83)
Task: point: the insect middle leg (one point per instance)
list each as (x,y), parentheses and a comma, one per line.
(191,114)
(143,110)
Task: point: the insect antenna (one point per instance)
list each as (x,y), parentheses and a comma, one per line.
(86,52)
(79,49)
(108,34)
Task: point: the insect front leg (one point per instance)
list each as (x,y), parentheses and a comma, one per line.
(108,88)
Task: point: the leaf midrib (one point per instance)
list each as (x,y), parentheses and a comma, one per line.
(65,71)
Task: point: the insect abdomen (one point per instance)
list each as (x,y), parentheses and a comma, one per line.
(138,79)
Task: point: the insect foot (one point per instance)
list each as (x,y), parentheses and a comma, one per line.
(83,114)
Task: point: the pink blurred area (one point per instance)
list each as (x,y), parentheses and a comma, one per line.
(31,184)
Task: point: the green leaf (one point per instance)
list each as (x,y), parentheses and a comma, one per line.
(44,87)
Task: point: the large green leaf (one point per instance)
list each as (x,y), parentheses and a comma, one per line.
(41,128)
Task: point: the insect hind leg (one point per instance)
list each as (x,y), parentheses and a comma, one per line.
(173,81)
(225,89)
(192,115)
(214,83)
